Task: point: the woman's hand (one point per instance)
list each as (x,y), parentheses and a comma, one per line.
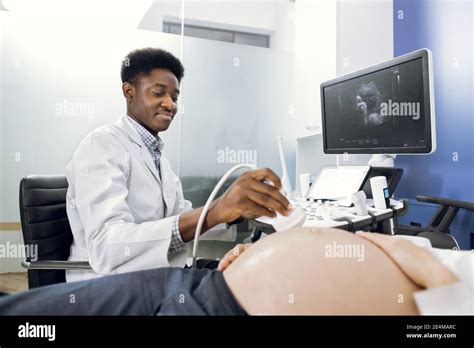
(231,255)
(416,262)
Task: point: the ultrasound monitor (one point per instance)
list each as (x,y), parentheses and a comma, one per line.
(384,109)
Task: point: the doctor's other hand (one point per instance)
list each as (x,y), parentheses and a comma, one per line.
(231,255)
(416,262)
(248,197)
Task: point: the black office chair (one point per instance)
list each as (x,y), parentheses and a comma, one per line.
(437,231)
(45,226)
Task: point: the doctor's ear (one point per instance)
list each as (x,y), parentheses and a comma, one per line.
(128,90)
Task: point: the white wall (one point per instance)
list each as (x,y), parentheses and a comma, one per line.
(333,38)
(11,244)
(269,17)
(276,91)
(73,61)
(364,38)
(61,79)
(225,12)
(315,59)
(57,52)
(364,34)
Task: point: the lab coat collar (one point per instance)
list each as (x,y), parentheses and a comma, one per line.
(152,142)
(124,123)
(166,174)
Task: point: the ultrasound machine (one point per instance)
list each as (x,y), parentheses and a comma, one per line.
(383,110)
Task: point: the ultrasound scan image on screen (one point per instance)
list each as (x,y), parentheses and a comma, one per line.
(384,109)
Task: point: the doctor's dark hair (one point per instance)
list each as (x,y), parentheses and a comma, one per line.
(142,61)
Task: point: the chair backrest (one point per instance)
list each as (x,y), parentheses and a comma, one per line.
(44,223)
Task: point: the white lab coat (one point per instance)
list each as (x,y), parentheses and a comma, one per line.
(119,209)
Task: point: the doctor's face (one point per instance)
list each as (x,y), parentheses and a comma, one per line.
(152,101)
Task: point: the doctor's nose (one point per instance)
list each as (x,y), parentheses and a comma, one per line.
(169,104)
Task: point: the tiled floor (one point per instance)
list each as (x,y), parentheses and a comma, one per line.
(13,282)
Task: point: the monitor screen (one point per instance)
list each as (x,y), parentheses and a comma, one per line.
(383,109)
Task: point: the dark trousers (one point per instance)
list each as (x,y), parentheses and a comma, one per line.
(163,291)
(205,264)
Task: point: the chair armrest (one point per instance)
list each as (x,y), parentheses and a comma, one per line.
(446,202)
(59,265)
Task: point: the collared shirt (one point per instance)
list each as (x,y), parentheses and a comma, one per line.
(154,145)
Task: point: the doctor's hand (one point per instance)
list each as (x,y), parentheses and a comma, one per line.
(231,255)
(248,197)
(416,262)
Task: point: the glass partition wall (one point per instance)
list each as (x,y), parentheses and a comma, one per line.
(60,78)
(238,92)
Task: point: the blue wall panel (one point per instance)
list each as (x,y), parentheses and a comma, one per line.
(446,28)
